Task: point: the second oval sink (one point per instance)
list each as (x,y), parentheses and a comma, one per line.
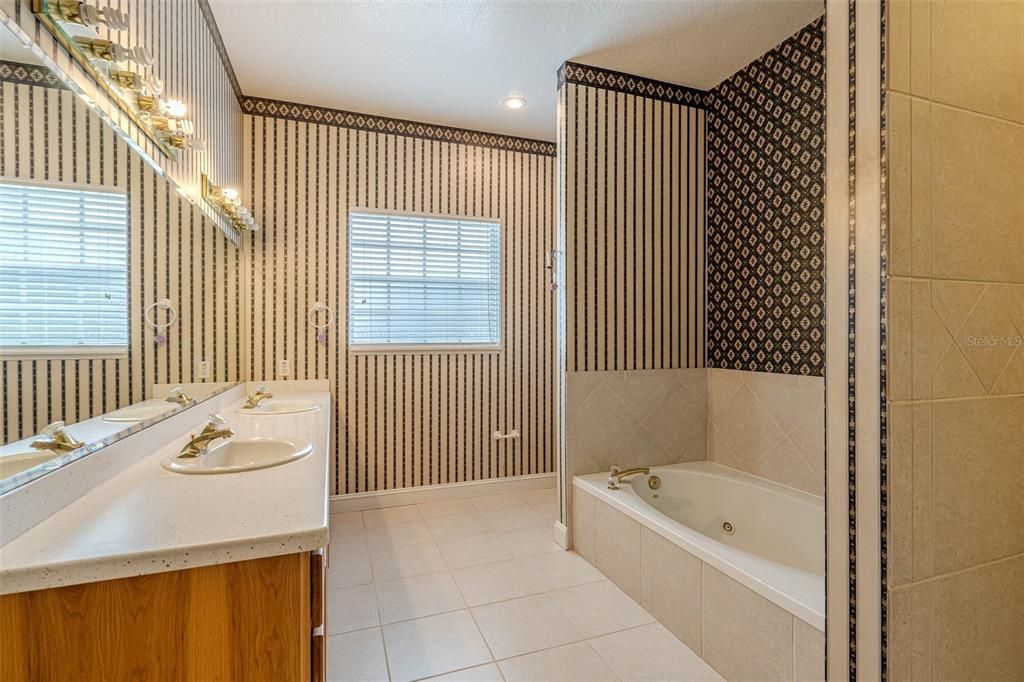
(274,406)
(240,454)
(140,412)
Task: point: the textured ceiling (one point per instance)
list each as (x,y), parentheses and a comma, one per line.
(453,61)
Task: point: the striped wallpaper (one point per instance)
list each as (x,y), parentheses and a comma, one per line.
(634,191)
(189,58)
(414,418)
(175,252)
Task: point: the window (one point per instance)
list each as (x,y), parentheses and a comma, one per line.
(419,281)
(63,270)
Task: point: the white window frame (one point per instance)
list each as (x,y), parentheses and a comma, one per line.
(77,352)
(414,348)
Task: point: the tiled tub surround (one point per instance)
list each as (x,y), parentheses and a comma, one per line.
(721,602)
(956,361)
(139,519)
(635,418)
(769,425)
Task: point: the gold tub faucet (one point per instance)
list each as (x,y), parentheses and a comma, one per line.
(617,474)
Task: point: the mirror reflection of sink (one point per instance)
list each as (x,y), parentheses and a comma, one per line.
(140,412)
(240,454)
(21,461)
(275,406)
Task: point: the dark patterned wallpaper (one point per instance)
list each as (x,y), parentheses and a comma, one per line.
(765,229)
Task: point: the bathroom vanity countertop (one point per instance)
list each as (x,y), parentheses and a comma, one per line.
(149,520)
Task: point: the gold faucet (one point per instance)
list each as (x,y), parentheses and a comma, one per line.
(178,395)
(262,393)
(617,474)
(213,430)
(58,439)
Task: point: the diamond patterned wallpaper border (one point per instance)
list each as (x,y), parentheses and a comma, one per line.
(308,113)
(766,191)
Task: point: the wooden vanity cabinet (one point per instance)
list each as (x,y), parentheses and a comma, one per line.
(247,620)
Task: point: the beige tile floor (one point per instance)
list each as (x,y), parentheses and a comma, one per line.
(476,589)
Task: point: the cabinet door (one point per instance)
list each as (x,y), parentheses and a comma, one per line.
(247,620)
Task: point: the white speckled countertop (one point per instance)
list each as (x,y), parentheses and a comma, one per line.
(148,520)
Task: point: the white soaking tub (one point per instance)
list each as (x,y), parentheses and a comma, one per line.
(767,537)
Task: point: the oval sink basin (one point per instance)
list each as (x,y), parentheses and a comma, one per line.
(138,413)
(240,454)
(22,461)
(274,406)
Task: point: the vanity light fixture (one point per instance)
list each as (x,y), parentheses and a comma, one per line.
(137,82)
(78,12)
(514,102)
(228,202)
(109,51)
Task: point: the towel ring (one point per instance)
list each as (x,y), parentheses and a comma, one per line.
(162,304)
(319,307)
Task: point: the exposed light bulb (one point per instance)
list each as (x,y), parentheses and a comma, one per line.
(174,108)
(514,102)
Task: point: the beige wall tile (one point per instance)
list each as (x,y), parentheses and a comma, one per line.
(722,386)
(584,524)
(901,494)
(770,425)
(923,535)
(910,633)
(978,476)
(985,337)
(670,586)
(977,56)
(635,418)
(748,429)
(899,45)
(901,329)
(783,464)
(921,187)
(679,424)
(618,549)
(977,202)
(920,47)
(808,652)
(939,368)
(979,623)
(746,637)
(900,163)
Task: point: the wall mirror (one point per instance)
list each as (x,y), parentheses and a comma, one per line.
(116,290)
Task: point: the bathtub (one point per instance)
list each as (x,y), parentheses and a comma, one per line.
(767,537)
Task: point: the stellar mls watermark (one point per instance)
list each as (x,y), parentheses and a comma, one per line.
(992,341)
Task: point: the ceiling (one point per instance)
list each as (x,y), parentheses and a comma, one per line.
(452,61)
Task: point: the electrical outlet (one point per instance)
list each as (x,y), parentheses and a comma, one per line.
(204,370)
(284,367)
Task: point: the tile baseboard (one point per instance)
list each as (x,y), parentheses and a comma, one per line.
(435,493)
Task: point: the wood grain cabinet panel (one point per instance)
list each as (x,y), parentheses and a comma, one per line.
(248,620)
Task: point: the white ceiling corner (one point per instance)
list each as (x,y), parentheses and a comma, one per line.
(451,62)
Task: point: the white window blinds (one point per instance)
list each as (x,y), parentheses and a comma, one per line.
(417,280)
(63,269)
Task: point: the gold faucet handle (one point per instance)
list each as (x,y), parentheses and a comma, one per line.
(216,421)
(58,433)
(53,430)
(178,395)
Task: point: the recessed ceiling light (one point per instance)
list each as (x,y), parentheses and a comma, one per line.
(514,102)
